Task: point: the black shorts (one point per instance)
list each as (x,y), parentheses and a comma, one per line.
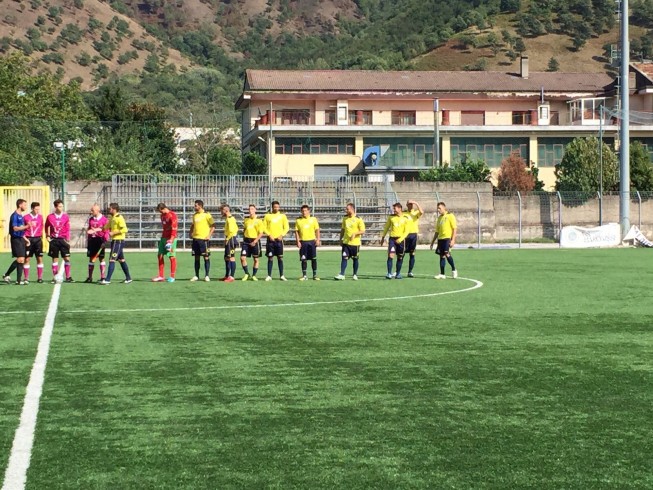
(249,250)
(35,248)
(444,246)
(117,250)
(230,248)
(396,248)
(59,247)
(200,247)
(95,247)
(350,251)
(274,248)
(411,243)
(308,250)
(18,247)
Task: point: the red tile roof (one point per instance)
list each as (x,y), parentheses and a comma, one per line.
(645,68)
(422,81)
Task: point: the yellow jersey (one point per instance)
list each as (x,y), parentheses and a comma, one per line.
(307,228)
(117,224)
(351,225)
(445,225)
(397,225)
(276,225)
(253,227)
(202,224)
(413,217)
(230,227)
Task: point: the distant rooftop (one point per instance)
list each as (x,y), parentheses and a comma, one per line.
(422,81)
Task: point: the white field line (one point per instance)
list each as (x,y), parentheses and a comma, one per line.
(476,285)
(21,450)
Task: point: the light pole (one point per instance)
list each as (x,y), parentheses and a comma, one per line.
(59,145)
(436,132)
(601,109)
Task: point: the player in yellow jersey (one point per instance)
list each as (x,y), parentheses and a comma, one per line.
(397,226)
(230,243)
(276,227)
(307,234)
(351,232)
(413,215)
(118,231)
(201,230)
(253,230)
(446,229)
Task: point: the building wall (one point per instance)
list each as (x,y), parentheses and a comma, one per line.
(284,165)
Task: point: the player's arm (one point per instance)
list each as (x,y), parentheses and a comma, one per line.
(260,227)
(317,236)
(286,227)
(15,227)
(419,208)
(454,232)
(47,229)
(174,227)
(404,233)
(435,236)
(297,234)
(386,228)
(342,231)
(211,223)
(192,227)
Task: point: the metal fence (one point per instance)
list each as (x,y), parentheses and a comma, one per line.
(484,218)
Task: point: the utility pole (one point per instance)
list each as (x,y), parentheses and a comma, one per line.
(624,148)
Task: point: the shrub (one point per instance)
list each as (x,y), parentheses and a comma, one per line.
(514,175)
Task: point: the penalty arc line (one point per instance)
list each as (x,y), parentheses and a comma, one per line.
(21,449)
(477,284)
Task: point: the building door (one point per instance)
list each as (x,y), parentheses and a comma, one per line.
(330,172)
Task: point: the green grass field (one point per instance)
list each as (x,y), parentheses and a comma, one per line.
(542,378)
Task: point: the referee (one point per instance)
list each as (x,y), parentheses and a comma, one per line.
(19,243)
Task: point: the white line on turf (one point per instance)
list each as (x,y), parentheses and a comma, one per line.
(477,284)
(21,450)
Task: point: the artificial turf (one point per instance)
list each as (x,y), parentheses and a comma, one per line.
(540,379)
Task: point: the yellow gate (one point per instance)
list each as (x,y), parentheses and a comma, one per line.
(8,198)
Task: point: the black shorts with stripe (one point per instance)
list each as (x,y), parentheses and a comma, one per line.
(444,246)
(395,247)
(230,247)
(200,247)
(35,248)
(249,250)
(350,251)
(59,247)
(274,248)
(411,243)
(117,250)
(95,248)
(308,250)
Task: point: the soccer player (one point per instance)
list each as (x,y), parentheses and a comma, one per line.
(167,243)
(445,233)
(230,243)
(413,215)
(97,237)
(253,230)
(276,227)
(351,232)
(397,226)
(118,232)
(19,243)
(201,231)
(34,233)
(307,234)
(57,231)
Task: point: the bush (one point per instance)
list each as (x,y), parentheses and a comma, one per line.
(579,169)
(514,175)
(468,170)
(641,170)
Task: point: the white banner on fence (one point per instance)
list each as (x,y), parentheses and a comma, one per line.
(601,236)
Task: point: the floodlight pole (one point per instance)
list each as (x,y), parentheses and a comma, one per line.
(601,111)
(436,132)
(624,144)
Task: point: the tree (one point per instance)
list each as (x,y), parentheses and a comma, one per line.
(579,169)
(254,164)
(514,175)
(641,168)
(225,160)
(468,170)
(553,65)
(510,5)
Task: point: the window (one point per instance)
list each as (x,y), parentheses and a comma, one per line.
(403,152)
(472,118)
(403,118)
(314,146)
(330,118)
(522,117)
(491,150)
(294,117)
(551,150)
(360,117)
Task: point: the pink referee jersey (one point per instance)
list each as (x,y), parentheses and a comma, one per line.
(99,222)
(35,225)
(58,226)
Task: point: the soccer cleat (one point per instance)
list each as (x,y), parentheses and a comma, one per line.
(229,279)
(399,276)
(410,274)
(315,278)
(388,276)
(53,281)
(70,280)
(440,276)
(354,277)
(454,274)
(394,274)
(283,278)
(6,279)
(21,283)
(127,281)
(207,279)
(194,279)
(40,281)
(245,277)
(303,278)
(26,282)
(170,279)
(267,279)
(254,278)
(104,282)
(158,279)
(339,277)
(88,280)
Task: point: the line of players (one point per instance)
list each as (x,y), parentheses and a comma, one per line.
(27,229)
